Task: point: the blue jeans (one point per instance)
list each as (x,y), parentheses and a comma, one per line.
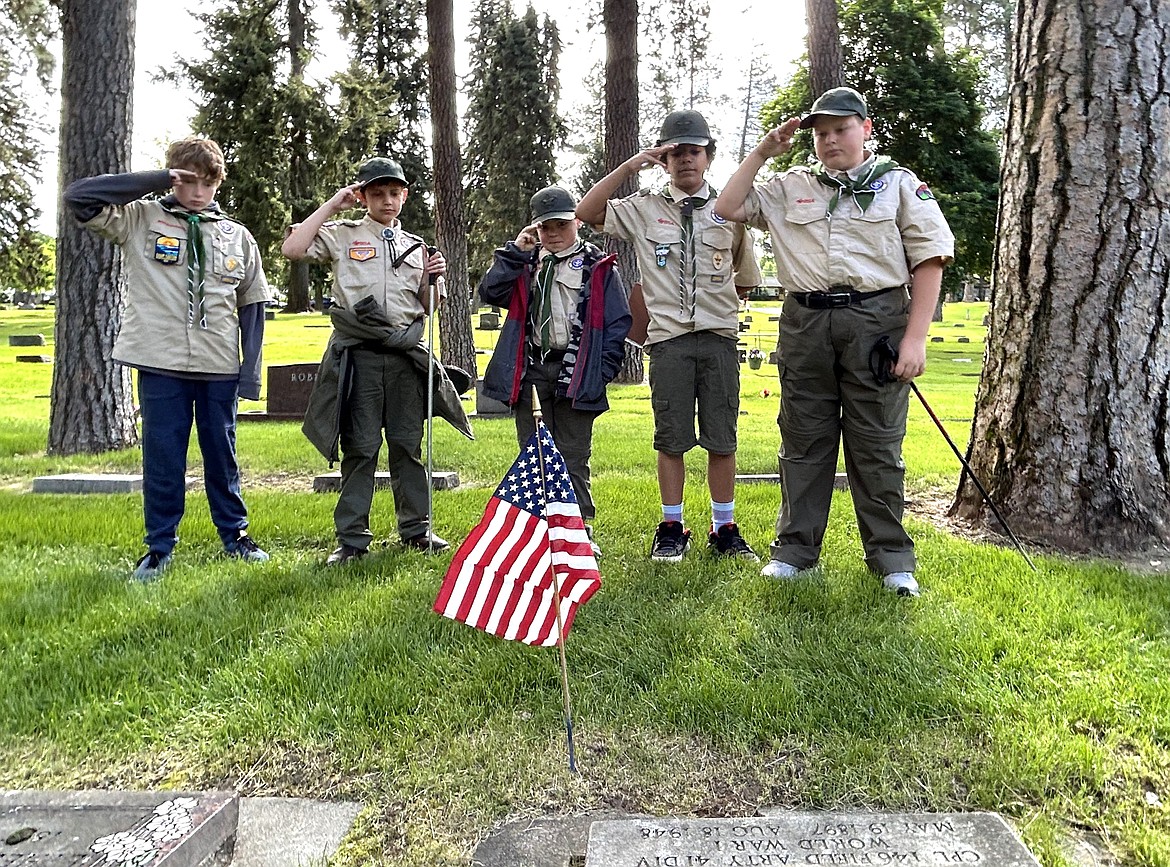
(169,404)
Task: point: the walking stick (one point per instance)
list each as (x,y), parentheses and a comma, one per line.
(431,281)
(881,358)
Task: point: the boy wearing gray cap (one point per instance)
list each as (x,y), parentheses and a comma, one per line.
(851,233)
(694,266)
(381,269)
(565,334)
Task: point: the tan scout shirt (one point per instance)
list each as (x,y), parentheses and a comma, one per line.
(364,264)
(724,259)
(814,251)
(566,294)
(157,331)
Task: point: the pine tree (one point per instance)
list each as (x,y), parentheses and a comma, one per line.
(513,127)
(383,95)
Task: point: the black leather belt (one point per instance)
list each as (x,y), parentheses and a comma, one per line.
(837,296)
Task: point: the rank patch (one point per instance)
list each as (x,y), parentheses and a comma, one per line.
(362,254)
(166,250)
(717,260)
(924,193)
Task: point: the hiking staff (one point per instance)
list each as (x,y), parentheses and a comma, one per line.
(883,352)
(432,279)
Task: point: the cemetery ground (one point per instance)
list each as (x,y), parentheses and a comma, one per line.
(698,689)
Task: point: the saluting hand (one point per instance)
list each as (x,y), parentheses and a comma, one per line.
(779,139)
(655,156)
(178,176)
(527,239)
(345,198)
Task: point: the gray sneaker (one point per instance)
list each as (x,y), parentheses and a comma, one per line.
(151,566)
(902,583)
(243,548)
(779,569)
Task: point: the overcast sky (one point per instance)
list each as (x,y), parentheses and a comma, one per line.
(162,113)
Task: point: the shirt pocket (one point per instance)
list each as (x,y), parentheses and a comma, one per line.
(664,242)
(227,257)
(879,227)
(714,251)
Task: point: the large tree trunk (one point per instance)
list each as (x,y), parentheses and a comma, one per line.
(1072,421)
(300,165)
(455,334)
(824,46)
(91,408)
(621,135)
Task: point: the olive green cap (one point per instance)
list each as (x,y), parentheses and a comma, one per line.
(380,169)
(838,102)
(685,127)
(553,203)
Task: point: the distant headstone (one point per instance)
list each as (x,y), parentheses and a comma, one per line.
(840,480)
(808,838)
(962,340)
(744,326)
(90,483)
(489,321)
(289,386)
(957,325)
(489,406)
(35,359)
(269,315)
(936,340)
(146,829)
(26,340)
(325,483)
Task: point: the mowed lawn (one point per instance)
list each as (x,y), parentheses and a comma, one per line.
(698,689)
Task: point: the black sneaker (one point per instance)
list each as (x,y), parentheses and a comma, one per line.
(727,542)
(151,566)
(670,542)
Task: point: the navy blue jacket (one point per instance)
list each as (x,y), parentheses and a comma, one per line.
(602,308)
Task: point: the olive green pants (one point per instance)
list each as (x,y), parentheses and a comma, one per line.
(829,397)
(388,394)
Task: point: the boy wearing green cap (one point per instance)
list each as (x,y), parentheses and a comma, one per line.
(381,276)
(193,327)
(565,334)
(694,267)
(852,233)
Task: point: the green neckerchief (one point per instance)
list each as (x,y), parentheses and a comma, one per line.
(687,288)
(545,286)
(861,189)
(196,271)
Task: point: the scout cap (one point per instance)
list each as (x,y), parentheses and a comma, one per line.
(838,102)
(685,127)
(553,203)
(380,169)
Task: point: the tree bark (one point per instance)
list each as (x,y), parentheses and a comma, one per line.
(1071,433)
(455,334)
(620,18)
(824,46)
(91,408)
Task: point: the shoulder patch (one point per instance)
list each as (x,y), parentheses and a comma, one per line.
(577,263)
(923,192)
(717,218)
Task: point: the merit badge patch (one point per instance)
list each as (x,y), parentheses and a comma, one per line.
(577,263)
(717,260)
(660,252)
(166,250)
(362,253)
(924,193)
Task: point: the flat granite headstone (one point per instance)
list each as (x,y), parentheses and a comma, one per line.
(92,483)
(145,829)
(840,480)
(35,359)
(26,340)
(809,838)
(441,480)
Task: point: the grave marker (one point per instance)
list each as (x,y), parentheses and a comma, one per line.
(26,340)
(289,387)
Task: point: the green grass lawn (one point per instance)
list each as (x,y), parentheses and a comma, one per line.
(698,689)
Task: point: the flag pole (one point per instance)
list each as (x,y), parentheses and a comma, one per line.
(537,417)
(431,314)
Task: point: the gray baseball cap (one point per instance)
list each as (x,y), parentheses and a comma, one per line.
(553,203)
(838,102)
(685,127)
(380,169)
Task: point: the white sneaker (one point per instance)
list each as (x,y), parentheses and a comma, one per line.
(902,583)
(779,569)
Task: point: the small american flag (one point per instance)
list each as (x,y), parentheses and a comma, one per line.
(499,580)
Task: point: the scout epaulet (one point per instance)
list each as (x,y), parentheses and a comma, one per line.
(350,223)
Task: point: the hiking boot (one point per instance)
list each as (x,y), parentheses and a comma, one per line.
(779,569)
(670,542)
(343,554)
(151,566)
(727,542)
(243,548)
(428,542)
(592,543)
(902,583)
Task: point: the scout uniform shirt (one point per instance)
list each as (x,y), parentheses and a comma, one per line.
(175,321)
(817,249)
(688,277)
(559,314)
(370,259)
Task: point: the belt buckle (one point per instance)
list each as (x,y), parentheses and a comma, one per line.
(838,299)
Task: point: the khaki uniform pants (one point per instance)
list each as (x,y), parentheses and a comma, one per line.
(828,395)
(388,394)
(571,429)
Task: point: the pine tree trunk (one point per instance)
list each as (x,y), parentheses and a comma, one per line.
(455,334)
(300,167)
(91,409)
(1072,420)
(621,135)
(824,46)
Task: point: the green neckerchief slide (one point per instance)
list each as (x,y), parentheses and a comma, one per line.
(861,189)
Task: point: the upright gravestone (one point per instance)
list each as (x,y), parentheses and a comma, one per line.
(289,387)
(924,840)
